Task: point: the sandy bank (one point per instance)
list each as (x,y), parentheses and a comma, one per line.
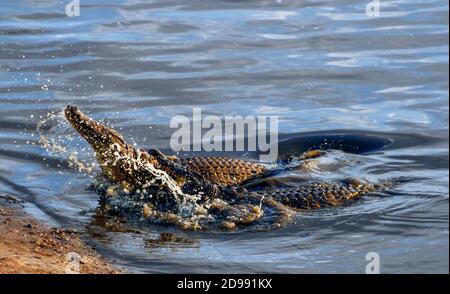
(27,246)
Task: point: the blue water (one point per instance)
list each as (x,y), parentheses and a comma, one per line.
(322,67)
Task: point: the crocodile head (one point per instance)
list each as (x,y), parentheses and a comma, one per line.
(120,162)
(99,136)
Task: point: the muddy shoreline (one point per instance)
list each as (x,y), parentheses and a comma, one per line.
(29,247)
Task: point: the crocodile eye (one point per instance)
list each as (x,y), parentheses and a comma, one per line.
(115,147)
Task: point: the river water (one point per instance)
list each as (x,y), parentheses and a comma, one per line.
(378,86)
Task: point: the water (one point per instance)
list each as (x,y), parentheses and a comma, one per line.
(323,67)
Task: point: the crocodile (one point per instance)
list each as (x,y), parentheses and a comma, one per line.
(200,192)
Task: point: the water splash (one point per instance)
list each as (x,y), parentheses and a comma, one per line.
(57,137)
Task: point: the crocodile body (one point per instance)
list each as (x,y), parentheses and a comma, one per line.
(224,171)
(214,182)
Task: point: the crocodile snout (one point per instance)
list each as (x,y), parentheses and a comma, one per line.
(73,115)
(92,131)
(71,112)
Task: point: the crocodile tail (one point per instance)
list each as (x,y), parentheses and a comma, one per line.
(319,195)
